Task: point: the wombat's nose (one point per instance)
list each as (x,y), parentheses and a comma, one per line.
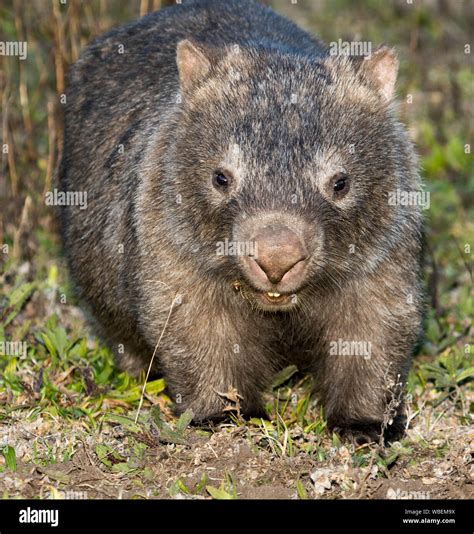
(279,249)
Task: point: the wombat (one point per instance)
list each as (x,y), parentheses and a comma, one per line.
(240,180)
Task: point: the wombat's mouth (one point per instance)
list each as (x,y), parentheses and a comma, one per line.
(275,298)
(269,300)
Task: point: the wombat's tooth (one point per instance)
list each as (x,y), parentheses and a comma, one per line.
(273,294)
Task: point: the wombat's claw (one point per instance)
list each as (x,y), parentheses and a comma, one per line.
(362,433)
(358,436)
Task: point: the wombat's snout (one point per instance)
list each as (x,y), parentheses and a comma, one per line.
(279,259)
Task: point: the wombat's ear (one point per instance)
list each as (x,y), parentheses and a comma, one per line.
(192,63)
(381,69)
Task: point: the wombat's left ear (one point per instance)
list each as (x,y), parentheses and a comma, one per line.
(381,69)
(193,64)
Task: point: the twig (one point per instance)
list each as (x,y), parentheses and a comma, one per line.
(153,356)
(468,267)
(51,148)
(433,282)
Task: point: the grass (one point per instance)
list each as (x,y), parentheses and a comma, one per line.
(66,409)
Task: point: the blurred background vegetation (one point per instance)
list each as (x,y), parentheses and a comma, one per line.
(434,42)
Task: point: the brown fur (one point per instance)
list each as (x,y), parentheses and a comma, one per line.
(154,218)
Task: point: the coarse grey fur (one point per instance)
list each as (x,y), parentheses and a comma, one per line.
(283,114)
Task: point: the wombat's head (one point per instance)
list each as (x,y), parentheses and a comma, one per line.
(283,165)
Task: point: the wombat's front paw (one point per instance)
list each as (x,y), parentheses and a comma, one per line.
(359,434)
(218,416)
(362,432)
(218,408)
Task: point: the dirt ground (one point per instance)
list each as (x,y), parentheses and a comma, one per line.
(256,472)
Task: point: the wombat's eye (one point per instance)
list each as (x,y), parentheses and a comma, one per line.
(340,184)
(220,180)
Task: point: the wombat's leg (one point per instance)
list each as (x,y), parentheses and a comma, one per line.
(360,379)
(212,382)
(363,395)
(211,363)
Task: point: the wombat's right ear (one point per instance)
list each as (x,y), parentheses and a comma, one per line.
(192,63)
